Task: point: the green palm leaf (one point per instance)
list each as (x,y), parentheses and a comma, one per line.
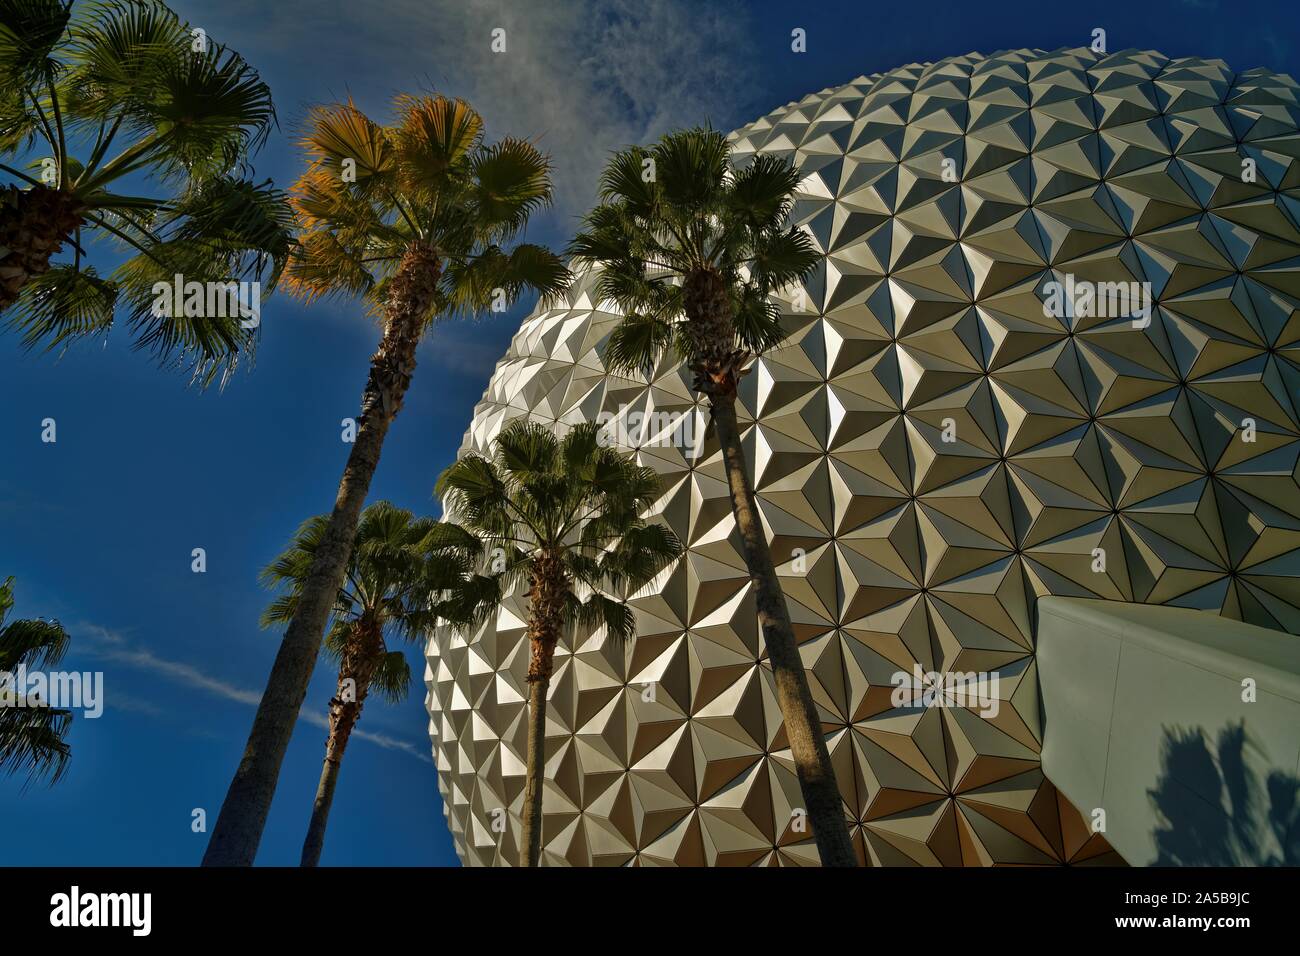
(122,88)
(393,677)
(210,110)
(64,304)
(569,497)
(402,574)
(698,223)
(32,742)
(512,180)
(30,33)
(31,736)
(117,58)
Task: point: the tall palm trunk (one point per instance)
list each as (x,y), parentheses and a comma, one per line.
(238,830)
(34,224)
(707,303)
(802,725)
(546,602)
(361,659)
(530,848)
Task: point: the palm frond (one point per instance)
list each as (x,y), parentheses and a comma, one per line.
(392,678)
(761,194)
(210,110)
(31,735)
(692,166)
(630,177)
(757,321)
(435,136)
(431,180)
(65,303)
(30,33)
(118,54)
(512,180)
(323,199)
(642,552)
(399,573)
(526,449)
(571,499)
(446,537)
(337,637)
(247,226)
(280,611)
(321,266)
(472,490)
(699,218)
(495,279)
(638,342)
(32,742)
(35,643)
(341,137)
(597,611)
(474,601)
(781,258)
(190,119)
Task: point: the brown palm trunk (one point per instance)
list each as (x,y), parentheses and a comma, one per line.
(717,362)
(546,598)
(360,660)
(530,850)
(239,826)
(802,725)
(34,224)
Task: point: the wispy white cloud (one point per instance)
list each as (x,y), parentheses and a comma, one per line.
(112,646)
(590,76)
(581,77)
(379,740)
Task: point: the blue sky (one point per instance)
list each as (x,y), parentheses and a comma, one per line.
(98,528)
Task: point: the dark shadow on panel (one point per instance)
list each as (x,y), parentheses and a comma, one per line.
(1213,809)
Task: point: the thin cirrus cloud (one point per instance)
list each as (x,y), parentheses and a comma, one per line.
(585,78)
(108,645)
(580,78)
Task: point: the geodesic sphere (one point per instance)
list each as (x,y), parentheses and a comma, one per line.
(1051,349)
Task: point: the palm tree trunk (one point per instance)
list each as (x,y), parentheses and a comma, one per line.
(341,724)
(361,658)
(546,601)
(530,850)
(238,829)
(802,724)
(34,224)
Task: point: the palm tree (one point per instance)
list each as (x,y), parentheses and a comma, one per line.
(31,737)
(398,564)
(564,515)
(415,219)
(690,249)
(122,95)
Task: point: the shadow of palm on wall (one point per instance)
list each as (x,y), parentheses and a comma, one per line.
(1253,823)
